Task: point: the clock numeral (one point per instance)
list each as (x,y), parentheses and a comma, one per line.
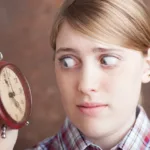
(8,74)
(20,109)
(16,116)
(16,80)
(4,75)
(20,90)
(22,102)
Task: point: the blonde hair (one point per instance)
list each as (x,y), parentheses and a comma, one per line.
(121,22)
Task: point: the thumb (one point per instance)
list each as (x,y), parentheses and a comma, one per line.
(9,142)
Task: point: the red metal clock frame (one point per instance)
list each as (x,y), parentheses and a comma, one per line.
(4,116)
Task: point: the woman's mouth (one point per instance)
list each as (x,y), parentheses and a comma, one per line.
(91,109)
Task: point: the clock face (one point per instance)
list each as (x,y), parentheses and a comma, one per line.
(12,94)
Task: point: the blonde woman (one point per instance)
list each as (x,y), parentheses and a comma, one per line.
(102,58)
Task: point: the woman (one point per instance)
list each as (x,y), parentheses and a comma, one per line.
(101,60)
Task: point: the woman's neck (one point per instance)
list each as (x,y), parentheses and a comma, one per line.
(111,140)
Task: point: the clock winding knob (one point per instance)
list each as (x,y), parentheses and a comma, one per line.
(1,56)
(27,123)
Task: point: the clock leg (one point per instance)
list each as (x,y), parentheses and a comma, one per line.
(3,134)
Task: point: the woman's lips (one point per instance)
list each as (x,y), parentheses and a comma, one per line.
(91,109)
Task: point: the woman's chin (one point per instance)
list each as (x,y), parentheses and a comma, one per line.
(93,133)
(94,128)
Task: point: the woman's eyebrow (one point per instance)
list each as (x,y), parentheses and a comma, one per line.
(63,49)
(94,50)
(102,50)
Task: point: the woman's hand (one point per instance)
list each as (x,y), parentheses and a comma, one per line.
(9,142)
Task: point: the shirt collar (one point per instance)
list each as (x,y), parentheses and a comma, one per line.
(137,137)
(72,137)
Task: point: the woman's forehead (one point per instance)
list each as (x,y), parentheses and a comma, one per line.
(69,38)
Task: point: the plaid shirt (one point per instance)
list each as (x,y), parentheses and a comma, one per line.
(70,138)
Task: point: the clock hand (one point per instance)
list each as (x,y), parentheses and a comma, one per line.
(17,104)
(6,82)
(9,83)
(11,94)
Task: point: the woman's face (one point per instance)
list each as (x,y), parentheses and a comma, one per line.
(99,83)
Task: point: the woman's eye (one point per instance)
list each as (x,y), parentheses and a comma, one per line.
(68,62)
(109,60)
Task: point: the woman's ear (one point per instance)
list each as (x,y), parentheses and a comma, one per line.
(146,73)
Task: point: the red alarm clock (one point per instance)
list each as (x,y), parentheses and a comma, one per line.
(15,97)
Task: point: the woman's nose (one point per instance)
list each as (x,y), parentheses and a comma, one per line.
(89,81)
